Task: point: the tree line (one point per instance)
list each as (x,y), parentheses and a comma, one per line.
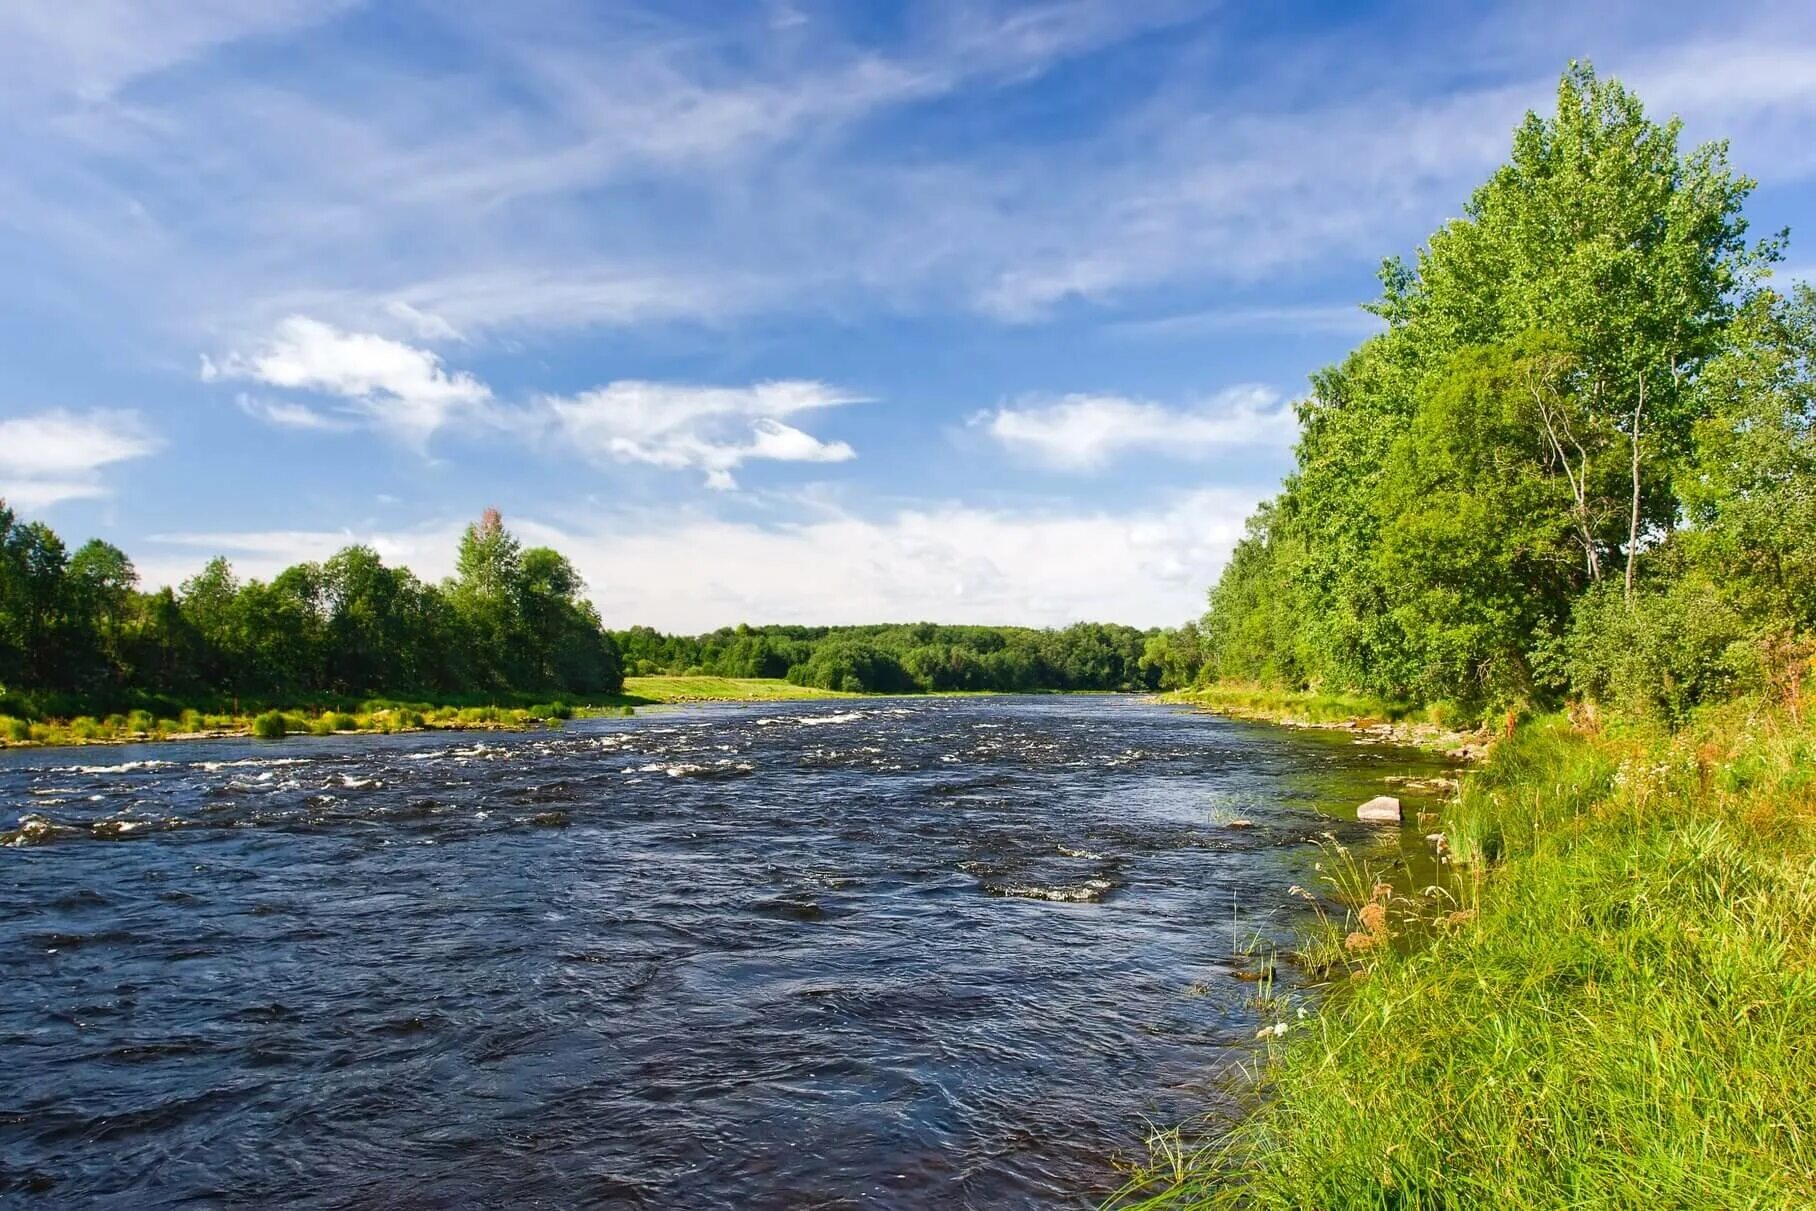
(1579,461)
(78,635)
(76,631)
(910,657)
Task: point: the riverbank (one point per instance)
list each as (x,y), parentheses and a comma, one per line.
(1372,719)
(379,716)
(1613,1004)
(677,689)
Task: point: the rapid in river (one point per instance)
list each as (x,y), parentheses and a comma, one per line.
(878,952)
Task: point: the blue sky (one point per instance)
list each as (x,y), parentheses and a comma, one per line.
(769,312)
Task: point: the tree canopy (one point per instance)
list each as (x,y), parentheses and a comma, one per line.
(1587,420)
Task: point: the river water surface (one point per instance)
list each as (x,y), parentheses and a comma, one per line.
(895,953)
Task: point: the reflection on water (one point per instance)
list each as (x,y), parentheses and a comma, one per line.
(915,953)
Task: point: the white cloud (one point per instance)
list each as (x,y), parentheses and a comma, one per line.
(939,561)
(288,414)
(710,429)
(1343,320)
(1083,432)
(422,324)
(722,172)
(428,551)
(385,383)
(55,456)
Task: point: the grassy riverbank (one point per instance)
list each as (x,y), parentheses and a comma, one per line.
(211,718)
(1442,728)
(1614,1005)
(661,689)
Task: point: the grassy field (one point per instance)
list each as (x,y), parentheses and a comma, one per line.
(640,690)
(1612,1005)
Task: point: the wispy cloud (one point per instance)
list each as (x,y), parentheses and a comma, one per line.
(722,173)
(55,456)
(711,429)
(1084,432)
(1345,320)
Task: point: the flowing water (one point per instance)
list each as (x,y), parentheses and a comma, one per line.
(898,953)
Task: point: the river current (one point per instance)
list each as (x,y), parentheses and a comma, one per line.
(889,953)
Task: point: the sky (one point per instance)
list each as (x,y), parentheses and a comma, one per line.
(759,312)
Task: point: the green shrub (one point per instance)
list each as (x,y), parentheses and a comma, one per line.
(1662,654)
(342,722)
(15,729)
(270,726)
(141,721)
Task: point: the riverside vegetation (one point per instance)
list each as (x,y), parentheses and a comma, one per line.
(1569,492)
(510,640)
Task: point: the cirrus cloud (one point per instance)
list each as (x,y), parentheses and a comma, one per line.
(1084,432)
(55,456)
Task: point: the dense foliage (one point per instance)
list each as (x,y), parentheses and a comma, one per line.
(901,658)
(75,627)
(1578,461)
(76,633)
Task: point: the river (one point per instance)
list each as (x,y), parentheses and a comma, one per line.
(880,953)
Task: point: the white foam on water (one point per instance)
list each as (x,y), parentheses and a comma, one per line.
(125,767)
(840,717)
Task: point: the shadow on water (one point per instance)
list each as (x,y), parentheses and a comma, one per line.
(899,952)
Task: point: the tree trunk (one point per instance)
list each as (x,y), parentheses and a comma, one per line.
(1633,518)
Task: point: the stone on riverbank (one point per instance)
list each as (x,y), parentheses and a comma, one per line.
(1382,809)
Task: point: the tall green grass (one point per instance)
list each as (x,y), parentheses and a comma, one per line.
(1612,1005)
(1254,701)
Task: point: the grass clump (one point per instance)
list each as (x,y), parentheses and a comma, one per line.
(1251,701)
(1621,1011)
(272,725)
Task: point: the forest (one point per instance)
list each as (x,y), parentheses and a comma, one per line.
(78,636)
(912,657)
(1578,463)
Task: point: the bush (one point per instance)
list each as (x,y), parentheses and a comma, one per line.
(270,726)
(15,729)
(340,721)
(141,721)
(1664,653)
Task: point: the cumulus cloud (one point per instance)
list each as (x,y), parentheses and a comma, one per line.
(704,428)
(55,456)
(375,380)
(939,560)
(1083,432)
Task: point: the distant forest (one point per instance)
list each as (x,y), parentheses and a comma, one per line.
(906,658)
(77,635)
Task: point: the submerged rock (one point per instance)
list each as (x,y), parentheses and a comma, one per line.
(1382,809)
